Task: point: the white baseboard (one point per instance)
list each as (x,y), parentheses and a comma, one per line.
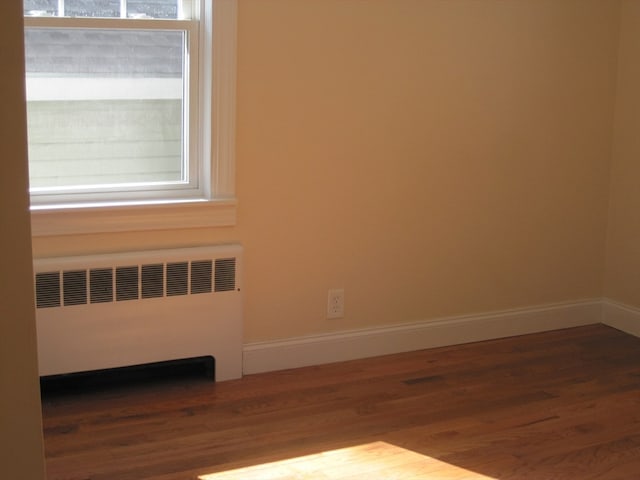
(348,345)
(621,316)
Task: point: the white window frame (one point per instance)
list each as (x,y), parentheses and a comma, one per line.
(214,203)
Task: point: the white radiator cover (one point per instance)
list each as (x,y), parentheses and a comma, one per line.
(124,309)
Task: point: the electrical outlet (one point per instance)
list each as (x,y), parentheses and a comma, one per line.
(335,303)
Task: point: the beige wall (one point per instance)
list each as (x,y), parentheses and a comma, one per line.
(21,453)
(623,252)
(431,157)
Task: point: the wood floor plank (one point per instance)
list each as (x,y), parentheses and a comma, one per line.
(554,405)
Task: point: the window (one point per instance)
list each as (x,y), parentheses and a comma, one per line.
(120,100)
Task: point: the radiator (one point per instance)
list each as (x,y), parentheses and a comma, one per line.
(107,311)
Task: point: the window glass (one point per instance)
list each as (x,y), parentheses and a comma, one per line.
(152,8)
(105,107)
(103,8)
(92,8)
(40,7)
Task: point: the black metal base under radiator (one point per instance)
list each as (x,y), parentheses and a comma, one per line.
(202,367)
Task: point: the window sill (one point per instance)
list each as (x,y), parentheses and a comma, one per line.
(132,217)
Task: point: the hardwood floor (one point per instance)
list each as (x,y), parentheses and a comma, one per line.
(556,405)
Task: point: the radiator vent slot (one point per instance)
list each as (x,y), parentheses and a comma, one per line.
(225,274)
(177,278)
(201,276)
(152,281)
(126,283)
(134,282)
(74,287)
(48,289)
(101,285)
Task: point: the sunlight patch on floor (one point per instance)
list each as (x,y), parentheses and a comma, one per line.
(372,461)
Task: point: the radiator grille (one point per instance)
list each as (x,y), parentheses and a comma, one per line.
(101,285)
(225,274)
(201,276)
(74,287)
(126,283)
(177,278)
(134,282)
(48,289)
(152,281)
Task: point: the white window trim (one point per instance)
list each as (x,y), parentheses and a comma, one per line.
(217,136)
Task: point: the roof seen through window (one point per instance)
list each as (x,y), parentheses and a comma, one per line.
(167,9)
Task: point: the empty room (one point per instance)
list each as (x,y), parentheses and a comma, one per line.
(320,239)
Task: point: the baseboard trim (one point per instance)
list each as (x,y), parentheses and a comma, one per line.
(623,317)
(297,352)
